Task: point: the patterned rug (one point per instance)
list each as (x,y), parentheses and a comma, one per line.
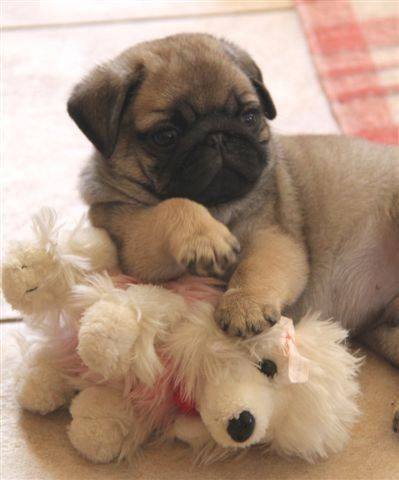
(355,48)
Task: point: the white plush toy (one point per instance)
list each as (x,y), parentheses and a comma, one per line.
(37,278)
(144,360)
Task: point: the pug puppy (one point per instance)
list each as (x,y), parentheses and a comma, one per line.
(186,172)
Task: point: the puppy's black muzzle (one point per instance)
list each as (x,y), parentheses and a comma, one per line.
(217,161)
(218,132)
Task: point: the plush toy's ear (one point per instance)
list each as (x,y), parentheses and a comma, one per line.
(249,67)
(97,102)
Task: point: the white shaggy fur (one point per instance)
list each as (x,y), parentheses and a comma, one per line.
(128,349)
(40,385)
(37,275)
(116,322)
(226,381)
(100,423)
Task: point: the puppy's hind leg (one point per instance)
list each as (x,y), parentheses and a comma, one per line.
(384,339)
(394,209)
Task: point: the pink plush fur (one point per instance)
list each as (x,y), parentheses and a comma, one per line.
(191,288)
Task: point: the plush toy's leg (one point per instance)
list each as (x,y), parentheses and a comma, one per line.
(191,430)
(106,337)
(41,388)
(118,333)
(101,423)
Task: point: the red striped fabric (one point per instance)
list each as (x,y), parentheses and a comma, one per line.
(355,47)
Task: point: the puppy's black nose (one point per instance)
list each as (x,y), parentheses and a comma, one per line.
(241,428)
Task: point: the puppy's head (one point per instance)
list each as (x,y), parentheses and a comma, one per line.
(183,116)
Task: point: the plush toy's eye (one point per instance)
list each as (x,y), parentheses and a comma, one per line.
(268,367)
(32,290)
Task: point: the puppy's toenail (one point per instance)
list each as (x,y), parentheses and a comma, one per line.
(255,330)
(191,266)
(209,265)
(395,423)
(272,321)
(224,261)
(224,326)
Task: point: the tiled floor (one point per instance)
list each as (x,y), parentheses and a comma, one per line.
(22,13)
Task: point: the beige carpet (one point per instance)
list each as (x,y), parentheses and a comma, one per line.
(37,448)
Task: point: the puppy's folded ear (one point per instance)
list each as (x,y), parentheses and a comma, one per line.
(249,67)
(97,103)
(265,98)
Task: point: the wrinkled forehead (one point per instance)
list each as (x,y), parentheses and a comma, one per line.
(197,87)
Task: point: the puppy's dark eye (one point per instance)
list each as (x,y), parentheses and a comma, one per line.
(165,137)
(250,117)
(268,367)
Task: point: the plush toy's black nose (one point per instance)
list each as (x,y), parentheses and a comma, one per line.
(241,428)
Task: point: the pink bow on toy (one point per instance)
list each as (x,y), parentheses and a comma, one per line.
(298,366)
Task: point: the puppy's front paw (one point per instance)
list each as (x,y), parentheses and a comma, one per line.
(210,251)
(241,315)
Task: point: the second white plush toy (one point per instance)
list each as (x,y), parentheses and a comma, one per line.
(150,360)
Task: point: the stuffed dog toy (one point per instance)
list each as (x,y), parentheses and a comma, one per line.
(140,361)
